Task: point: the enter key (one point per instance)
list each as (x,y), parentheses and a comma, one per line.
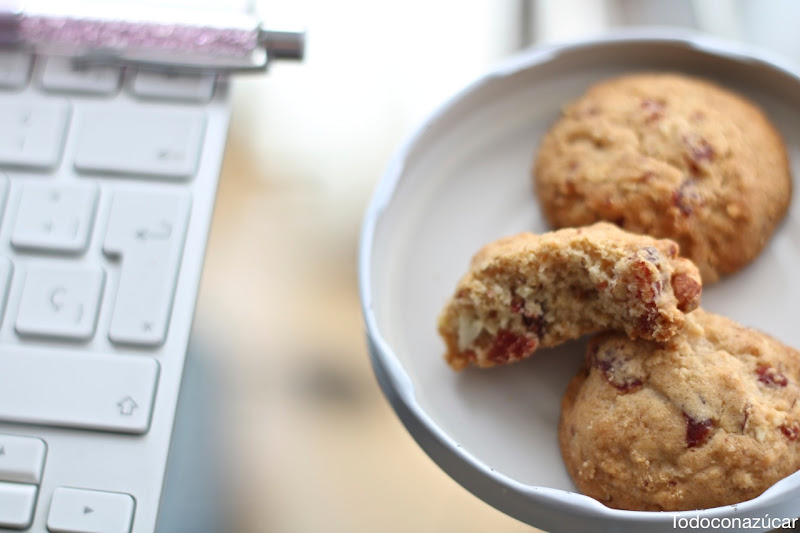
(146,231)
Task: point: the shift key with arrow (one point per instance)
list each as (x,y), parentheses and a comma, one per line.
(146,231)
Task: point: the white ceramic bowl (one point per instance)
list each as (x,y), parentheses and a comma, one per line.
(461,180)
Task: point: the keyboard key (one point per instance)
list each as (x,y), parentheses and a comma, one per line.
(3,192)
(6,269)
(89,511)
(147,230)
(15,68)
(32,133)
(60,302)
(21,459)
(60,74)
(185,87)
(16,505)
(77,389)
(140,142)
(55,218)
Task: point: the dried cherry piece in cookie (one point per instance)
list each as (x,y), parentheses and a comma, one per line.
(697,431)
(791,429)
(769,375)
(510,346)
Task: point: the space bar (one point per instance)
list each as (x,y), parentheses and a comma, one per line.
(73,389)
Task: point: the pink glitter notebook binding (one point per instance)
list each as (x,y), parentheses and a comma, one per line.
(102,33)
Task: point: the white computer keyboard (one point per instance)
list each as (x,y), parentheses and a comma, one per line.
(107,183)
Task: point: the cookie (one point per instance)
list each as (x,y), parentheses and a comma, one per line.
(709,418)
(530,291)
(670,156)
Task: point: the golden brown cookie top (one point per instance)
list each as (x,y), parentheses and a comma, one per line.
(672,156)
(707,419)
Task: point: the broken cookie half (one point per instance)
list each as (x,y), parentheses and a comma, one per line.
(529,291)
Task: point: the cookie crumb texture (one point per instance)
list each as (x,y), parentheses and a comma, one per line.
(529,291)
(710,418)
(670,156)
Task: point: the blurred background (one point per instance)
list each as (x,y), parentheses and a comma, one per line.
(286,416)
